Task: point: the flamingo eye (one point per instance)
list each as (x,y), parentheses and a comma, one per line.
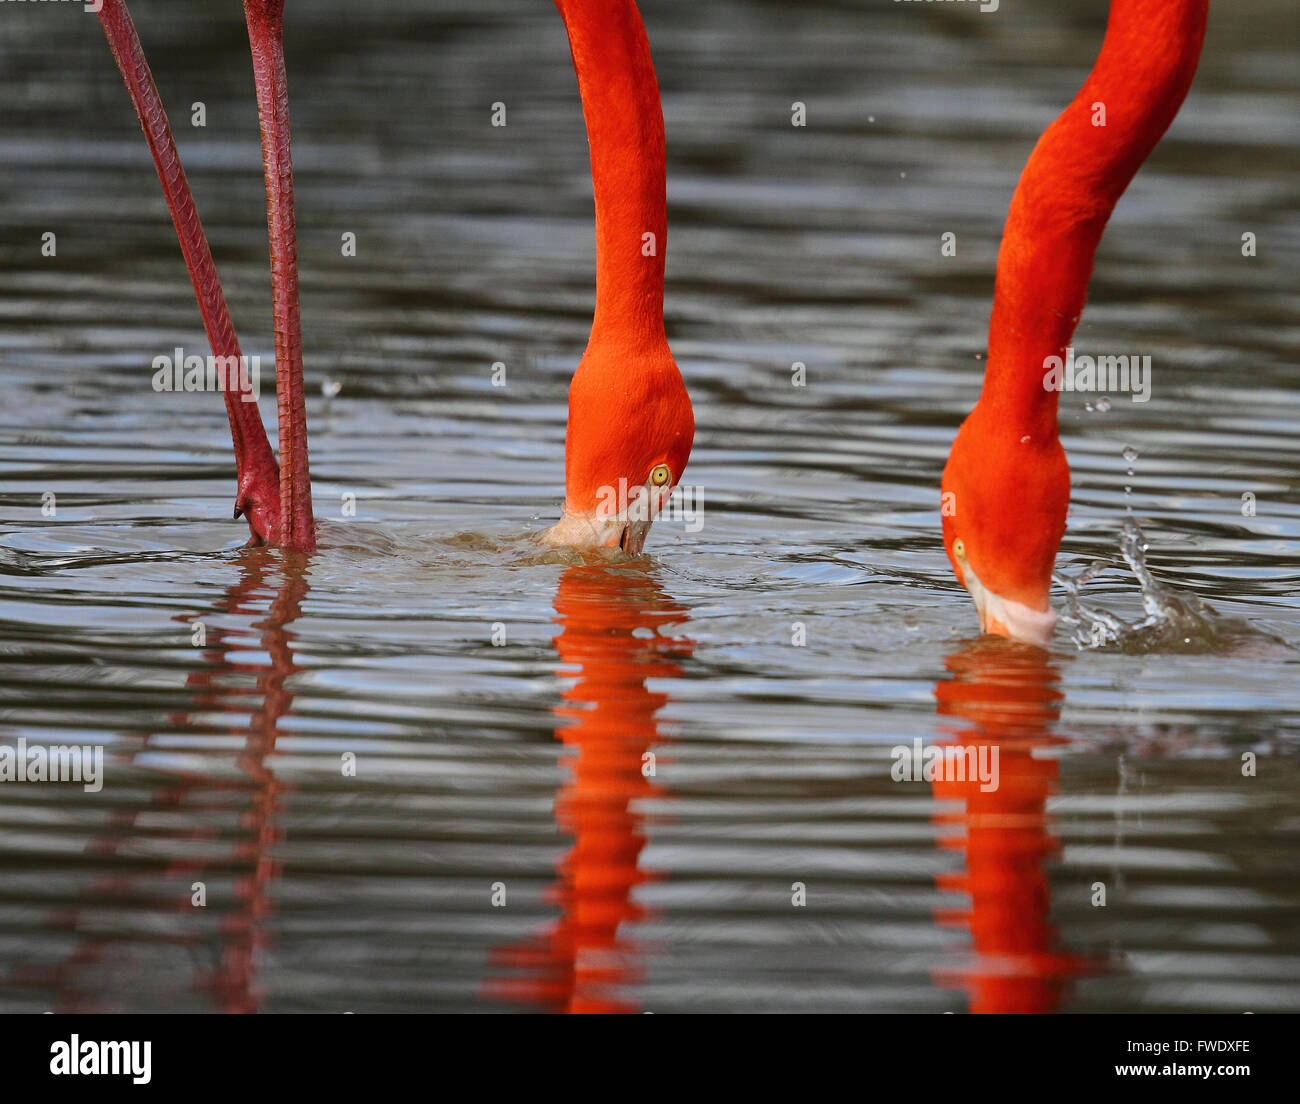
(959,548)
(661,476)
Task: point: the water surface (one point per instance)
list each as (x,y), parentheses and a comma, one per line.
(602,786)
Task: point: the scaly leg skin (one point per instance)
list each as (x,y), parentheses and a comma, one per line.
(257,494)
(265,37)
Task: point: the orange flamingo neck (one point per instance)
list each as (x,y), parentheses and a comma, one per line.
(625,130)
(1069,187)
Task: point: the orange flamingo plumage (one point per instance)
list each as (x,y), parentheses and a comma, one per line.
(1006,487)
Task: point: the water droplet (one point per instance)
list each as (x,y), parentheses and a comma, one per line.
(1089,407)
(330,387)
(871,118)
(902,176)
(1103,404)
(1130,454)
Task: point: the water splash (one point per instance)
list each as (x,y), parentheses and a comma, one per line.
(1130,457)
(1173,621)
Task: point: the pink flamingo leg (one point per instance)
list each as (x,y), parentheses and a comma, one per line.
(258,477)
(265,26)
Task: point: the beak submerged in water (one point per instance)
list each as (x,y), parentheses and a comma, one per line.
(1007,617)
(607,527)
(594,531)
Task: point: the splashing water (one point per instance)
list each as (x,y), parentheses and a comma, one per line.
(1174,621)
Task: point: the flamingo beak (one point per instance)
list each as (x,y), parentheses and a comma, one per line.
(596,530)
(1001,616)
(626,530)
(634,535)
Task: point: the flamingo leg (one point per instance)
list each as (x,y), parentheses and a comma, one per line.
(257,495)
(265,36)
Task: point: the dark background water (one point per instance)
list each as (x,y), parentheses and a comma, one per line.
(520,766)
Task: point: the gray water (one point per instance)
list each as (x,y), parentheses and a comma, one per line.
(502,709)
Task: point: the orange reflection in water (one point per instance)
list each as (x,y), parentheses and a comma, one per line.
(1008,693)
(618,629)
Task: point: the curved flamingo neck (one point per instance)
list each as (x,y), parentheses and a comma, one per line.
(625,130)
(1074,178)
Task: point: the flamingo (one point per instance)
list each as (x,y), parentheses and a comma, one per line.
(1006,486)
(630,423)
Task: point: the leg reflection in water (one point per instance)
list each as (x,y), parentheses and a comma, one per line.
(243,929)
(192,826)
(1008,693)
(617,629)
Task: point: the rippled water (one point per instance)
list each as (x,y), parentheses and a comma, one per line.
(602,786)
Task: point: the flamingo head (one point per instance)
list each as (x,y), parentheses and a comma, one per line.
(630,432)
(1003,506)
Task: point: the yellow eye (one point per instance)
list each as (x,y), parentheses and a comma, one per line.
(959,548)
(661,476)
